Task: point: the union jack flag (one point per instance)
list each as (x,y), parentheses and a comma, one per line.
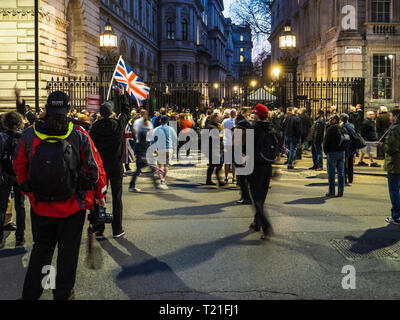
(132,84)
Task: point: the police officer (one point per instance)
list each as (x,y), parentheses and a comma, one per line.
(58,201)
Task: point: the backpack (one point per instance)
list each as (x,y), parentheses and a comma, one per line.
(267,149)
(344,139)
(53,171)
(358,141)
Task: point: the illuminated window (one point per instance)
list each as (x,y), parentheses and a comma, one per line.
(241,37)
(241,58)
(241,49)
(382,78)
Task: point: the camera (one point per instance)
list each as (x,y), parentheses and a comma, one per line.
(99,217)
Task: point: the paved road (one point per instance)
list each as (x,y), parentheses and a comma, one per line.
(192,242)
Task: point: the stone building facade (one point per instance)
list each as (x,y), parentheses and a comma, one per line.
(345,38)
(162,40)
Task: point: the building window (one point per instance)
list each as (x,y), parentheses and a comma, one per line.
(241,38)
(170,29)
(171,73)
(241,58)
(184,30)
(382,81)
(241,49)
(140,12)
(184,72)
(380,10)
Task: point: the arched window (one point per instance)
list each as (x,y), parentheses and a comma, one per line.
(241,58)
(171,73)
(122,49)
(185,72)
(133,56)
(184,30)
(171,29)
(241,38)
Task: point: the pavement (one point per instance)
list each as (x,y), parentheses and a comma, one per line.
(193,242)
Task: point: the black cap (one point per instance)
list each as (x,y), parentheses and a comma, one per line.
(57,103)
(164,119)
(106,109)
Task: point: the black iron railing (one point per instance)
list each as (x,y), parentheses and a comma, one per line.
(307,93)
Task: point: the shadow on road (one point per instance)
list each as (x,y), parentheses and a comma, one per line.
(317,185)
(143,275)
(318,176)
(315,200)
(195,210)
(374,239)
(12,273)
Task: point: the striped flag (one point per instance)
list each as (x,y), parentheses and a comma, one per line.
(133,85)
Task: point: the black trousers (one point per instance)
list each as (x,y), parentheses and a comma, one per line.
(5,190)
(244,189)
(47,233)
(349,169)
(258,183)
(210,170)
(114,179)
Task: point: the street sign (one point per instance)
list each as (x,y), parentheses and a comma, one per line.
(353,50)
(93,103)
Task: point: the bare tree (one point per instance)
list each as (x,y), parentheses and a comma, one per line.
(256,14)
(258,62)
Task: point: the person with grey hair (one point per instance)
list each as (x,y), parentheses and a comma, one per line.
(350,151)
(368,132)
(382,125)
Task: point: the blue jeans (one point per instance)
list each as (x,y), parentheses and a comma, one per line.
(317,155)
(292,143)
(335,161)
(394,188)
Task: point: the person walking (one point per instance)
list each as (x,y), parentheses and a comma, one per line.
(368,132)
(391,147)
(259,179)
(229,124)
(242,179)
(167,143)
(107,134)
(143,143)
(9,140)
(292,129)
(60,170)
(318,130)
(382,125)
(214,124)
(305,127)
(335,152)
(350,151)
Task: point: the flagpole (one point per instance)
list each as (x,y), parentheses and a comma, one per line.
(112,79)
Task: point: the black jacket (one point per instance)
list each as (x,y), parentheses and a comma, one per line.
(107,135)
(318,130)
(368,130)
(292,126)
(259,128)
(382,123)
(356,118)
(305,124)
(211,126)
(332,139)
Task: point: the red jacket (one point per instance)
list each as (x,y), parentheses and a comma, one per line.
(92,163)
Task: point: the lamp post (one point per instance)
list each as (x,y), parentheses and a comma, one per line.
(287,43)
(108,42)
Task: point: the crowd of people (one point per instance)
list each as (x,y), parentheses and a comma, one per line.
(64,160)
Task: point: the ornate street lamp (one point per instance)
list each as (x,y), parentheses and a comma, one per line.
(287,40)
(108,39)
